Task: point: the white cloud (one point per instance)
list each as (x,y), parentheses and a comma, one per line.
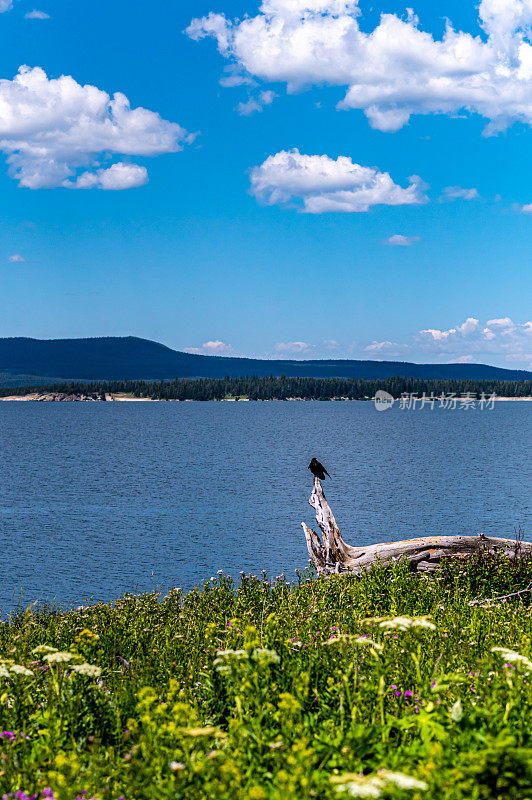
(394,70)
(501,323)
(235,76)
(459,193)
(466,343)
(462,360)
(386,348)
(499,336)
(16,258)
(256,103)
(36,15)
(527,209)
(5,5)
(398,240)
(292,347)
(52,128)
(118,176)
(212,348)
(317,184)
(466,328)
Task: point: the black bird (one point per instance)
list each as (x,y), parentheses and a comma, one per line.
(317,469)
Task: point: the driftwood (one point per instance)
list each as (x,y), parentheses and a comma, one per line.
(333,555)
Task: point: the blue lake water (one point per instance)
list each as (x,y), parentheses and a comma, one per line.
(97,499)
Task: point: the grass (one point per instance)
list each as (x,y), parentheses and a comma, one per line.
(385,686)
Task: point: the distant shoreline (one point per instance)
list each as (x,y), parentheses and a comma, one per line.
(56,397)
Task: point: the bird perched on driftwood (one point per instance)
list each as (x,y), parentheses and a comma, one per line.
(317,469)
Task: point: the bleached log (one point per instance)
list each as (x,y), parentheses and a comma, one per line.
(333,555)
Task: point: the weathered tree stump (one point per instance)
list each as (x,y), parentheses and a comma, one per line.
(333,555)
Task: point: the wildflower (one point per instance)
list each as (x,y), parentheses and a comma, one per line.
(511,655)
(239,654)
(90,670)
(403,781)
(265,656)
(20,670)
(225,659)
(457,711)
(88,633)
(374,785)
(4,673)
(365,640)
(404,623)
(176,765)
(44,648)
(57,657)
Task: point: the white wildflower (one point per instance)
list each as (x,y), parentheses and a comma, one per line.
(367,641)
(374,785)
(402,781)
(20,670)
(344,638)
(238,654)
(4,673)
(226,658)
(44,648)
(57,658)
(358,785)
(404,623)
(176,765)
(265,656)
(457,712)
(87,669)
(511,655)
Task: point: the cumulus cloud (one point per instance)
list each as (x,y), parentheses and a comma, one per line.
(398,240)
(16,258)
(466,328)
(118,176)
(317,184)
(527,209)
(5,5)
(501,336)
(212,348)
(465,343)
(459,193)
(394,70)
(52,129)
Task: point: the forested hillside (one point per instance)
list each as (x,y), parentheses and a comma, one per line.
(131,358)
(283,388)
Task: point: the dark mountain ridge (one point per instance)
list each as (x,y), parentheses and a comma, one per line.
(132,358)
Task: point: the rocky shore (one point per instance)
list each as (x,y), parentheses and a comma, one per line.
(46,397)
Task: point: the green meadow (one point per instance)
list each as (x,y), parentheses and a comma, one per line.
(393,685)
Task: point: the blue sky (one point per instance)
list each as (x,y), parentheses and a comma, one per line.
(253,238)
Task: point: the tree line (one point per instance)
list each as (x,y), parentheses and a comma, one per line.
(282,388)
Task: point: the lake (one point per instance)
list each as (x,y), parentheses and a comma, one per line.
(98,499)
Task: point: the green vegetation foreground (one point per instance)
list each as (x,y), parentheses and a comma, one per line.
(392,685)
